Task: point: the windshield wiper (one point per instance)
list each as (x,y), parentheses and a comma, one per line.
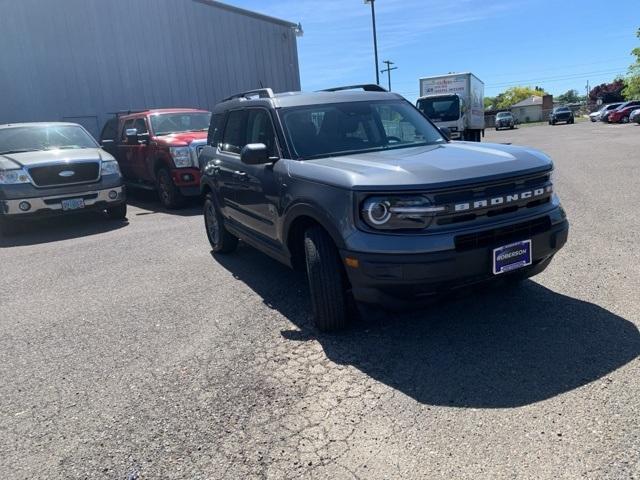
(20,150)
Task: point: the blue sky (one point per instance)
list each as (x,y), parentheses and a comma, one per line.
(556,44)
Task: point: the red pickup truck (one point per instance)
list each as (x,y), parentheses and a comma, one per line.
(158,149)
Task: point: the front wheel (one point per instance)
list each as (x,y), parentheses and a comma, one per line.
(169,194)
(118,212)
(625,119)
(219,237)
(326,280)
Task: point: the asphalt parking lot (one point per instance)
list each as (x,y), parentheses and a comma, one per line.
(127,351)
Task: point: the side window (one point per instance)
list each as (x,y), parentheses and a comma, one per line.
(110,130)
(140,125)
(123,134)
(260,130)
(215,129)
(234,135)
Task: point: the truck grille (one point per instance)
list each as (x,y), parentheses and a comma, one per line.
(49,175)
(502,235)
(450,199)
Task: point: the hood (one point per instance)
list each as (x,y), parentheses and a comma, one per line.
(29,159)
(434,166)
(180,139)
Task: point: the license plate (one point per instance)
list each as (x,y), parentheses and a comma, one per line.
(511,257)
(72,204)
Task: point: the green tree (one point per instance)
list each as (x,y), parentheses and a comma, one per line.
(632,81)
(570,96)
(514,95)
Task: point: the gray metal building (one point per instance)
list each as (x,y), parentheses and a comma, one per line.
(82,60)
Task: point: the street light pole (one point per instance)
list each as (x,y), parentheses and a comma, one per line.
(375,37)
(388,63)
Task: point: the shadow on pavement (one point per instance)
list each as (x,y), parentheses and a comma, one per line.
(54,229)
(148,200)
(493,348)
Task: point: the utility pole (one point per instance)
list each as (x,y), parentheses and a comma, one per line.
(375,37)
(587,87)
(388,63)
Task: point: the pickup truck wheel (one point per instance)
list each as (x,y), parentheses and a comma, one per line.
(169,194)
(118,212)
(219,237)
(326,280)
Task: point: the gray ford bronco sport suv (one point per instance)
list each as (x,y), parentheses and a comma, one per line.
(366,193)
(55,168)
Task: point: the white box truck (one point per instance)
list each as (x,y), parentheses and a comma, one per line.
(455,101)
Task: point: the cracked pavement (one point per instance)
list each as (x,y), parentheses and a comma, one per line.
(127,351)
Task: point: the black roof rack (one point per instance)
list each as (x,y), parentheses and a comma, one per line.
(367,87)
(259,92)
(125,112)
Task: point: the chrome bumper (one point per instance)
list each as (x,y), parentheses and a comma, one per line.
(54,203)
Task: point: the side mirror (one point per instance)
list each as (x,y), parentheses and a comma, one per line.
(446,133)
(255,154)
(132,135)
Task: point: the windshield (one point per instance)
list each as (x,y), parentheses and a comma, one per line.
(562,109)
(166,123)
(44,137)
(441,109)
(503,115)
(341,128)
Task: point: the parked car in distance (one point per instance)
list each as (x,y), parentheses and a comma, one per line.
(597,115)
(622,114)
(505,120)
(635,116)
(55,168)
(561,114)
(363,192)
(158,149)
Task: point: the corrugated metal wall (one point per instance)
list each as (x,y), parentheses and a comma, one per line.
(79,60)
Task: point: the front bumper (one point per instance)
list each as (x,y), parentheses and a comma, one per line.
(187,180)
(396,280)
(52,204)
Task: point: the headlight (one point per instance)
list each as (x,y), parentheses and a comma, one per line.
(398,212)
(181,156)
(12,177)
(110,167)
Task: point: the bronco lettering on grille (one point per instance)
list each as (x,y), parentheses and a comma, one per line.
(502,200)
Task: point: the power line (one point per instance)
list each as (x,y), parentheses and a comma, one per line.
(388,63)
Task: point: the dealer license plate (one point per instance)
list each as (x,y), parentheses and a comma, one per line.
(72,204)
(511,257)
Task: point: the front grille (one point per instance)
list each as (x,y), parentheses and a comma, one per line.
(49,175)
(502,235)
(485,192)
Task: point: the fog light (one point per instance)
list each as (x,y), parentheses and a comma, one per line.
(187,177)
(113,194)
(24,206)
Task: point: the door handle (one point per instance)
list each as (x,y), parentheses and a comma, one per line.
(239,174)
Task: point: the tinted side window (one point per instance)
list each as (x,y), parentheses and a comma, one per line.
(110,130)
(260,130)
(234,135)
(215,129)
(140,125)
(123,134)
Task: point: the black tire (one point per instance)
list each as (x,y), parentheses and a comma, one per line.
(169,194)
(326,280)
(625,119)
(219,237)
(119,212)
(511,127)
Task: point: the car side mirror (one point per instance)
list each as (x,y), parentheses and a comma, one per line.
(132,135)
(255,154)
(446,133)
